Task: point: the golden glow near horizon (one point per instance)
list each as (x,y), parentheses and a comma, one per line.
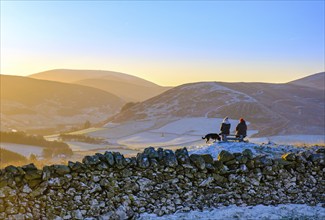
(168,43)
(181,74)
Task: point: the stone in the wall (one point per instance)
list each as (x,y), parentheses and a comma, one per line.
(182,156)
(248,153)
(198,161)
(225,156)
(170,158)
(91,160)
(109,158)
(289,157)
(143,161)
(151,153)
(160,182)
(120,162)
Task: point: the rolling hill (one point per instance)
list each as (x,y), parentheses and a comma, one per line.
(316,81)
(272,109)
(127,87)
(28,103)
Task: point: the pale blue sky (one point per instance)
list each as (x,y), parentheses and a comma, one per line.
(169,43)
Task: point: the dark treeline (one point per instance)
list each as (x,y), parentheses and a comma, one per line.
(81,138)
(7,156)
(55,147)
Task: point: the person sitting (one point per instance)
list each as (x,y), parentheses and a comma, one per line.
(241,128)
(225,128)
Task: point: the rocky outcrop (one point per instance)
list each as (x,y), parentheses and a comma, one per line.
(109,186)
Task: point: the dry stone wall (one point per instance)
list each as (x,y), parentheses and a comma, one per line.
(109,186)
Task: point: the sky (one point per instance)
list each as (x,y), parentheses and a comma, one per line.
(169,43)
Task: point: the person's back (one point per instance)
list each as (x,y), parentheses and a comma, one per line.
(241,128)
(225,127)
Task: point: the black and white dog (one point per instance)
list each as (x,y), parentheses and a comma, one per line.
(212,136)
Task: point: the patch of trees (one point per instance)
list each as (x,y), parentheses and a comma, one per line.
(128,106)
(80,138)
(7,156)
(51,148)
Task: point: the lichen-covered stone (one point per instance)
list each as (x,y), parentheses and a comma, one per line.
(198,161)
(61,169)
(248,153)
(120,162)
(91,160)
(225,156)
(289,157)
(207,158)
(109,158)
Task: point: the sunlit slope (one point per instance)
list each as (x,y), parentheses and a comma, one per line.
(316,81)
(128,87)
(272,109)
(30,103)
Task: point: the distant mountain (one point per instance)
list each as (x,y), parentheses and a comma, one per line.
(316,81)
(28,103)
(129,88)
(272,109)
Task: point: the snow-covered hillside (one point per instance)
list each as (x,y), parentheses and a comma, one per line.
(272,109)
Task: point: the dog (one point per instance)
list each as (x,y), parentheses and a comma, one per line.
(212,136)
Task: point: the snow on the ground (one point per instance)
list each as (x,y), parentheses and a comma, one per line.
(183,132)
(271,150)
(288,211)
(194,126)
(291,139)
(23,149)
(81,146)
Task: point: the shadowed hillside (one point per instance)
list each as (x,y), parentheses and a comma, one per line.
(127,87)
(30,103)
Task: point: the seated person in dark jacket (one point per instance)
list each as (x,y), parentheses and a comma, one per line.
(225,127)
(241,128)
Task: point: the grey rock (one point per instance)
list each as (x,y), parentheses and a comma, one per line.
(29,167)
(144,183)
(207,158)
(143,161)
(182,156)
(120,162)
(76,214)
(61,169)
(170,158)
(151,153)
(91,160)
(206,182)
(248,153)
(198,161)
(225,156)
(109,158)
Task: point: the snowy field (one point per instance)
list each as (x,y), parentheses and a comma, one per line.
(261,212)
(25,150)
(183,132)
